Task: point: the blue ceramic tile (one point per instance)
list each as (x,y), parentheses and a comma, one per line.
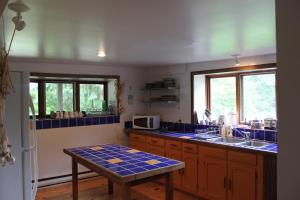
(171,126)
(72,122)
(117,119)
(187,127)
(39,124)
(56,123)
(87,121)
(103,121)
(270,136)
(125,172)
(260,134)
(96,120)
(110,120)
(47,123)
(137,170)
(252,134)
(80,121)
(64,123)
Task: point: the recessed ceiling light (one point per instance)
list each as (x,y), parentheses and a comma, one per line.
(101,54)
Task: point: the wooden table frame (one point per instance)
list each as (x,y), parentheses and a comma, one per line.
(124,183)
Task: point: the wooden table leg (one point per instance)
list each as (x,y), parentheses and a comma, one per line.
(169,186)
(125,192)
(110,187)
(74,179)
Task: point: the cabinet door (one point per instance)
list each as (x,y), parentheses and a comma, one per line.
(241,181)
(189,175)
(176,155)
(212,178)
(160,151)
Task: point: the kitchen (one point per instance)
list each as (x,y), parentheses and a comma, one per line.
(54,64)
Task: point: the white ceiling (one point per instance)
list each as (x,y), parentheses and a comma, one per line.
(144,32)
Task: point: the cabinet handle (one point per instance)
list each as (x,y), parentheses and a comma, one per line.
(154,141)
(225,182)
(182,171)
(137,138)
(229,184)
(173,145)
(189,148)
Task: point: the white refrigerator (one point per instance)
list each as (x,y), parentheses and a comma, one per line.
(19,181)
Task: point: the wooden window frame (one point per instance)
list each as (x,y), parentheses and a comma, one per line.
(237,72)
(76,92)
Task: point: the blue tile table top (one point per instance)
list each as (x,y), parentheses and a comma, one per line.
(125,163)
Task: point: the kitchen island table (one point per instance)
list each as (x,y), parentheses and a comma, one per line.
(124,166)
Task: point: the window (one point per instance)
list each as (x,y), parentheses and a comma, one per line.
(34,93)
(51,94)
(222,96)
(249,92)
(91,97)
(59,97)
(258,96)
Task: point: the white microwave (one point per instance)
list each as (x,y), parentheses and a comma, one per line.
(146,122)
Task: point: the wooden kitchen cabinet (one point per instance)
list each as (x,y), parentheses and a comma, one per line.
(137,141)
(242,176)
(155,145)
(189,181)
(173,150)
(215,172)
(212,173)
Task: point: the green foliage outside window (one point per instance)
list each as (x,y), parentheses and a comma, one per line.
(59,97)
(223,96)
(91,97)
(259,96)
(33,87)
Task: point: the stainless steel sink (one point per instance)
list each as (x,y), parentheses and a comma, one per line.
(254,143)
(227,140)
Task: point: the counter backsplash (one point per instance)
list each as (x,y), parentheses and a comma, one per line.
(260,134)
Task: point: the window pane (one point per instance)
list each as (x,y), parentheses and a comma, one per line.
(223,96)
(59,97)
(91,96)
(259,98)
(34,93)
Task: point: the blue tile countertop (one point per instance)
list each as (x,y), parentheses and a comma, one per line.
(270,148)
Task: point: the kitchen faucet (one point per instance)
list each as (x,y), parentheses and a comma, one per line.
(246,136)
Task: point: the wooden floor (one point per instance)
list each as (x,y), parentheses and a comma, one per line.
(96,189)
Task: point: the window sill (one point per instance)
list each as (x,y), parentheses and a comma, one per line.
(75,122)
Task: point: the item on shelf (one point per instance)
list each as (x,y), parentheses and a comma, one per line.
(270,123)
(71,114)
(104,107)
(256,124)
(169,82)
(221,120)
(66,115)
(52,115)
(168,98)
(158,84)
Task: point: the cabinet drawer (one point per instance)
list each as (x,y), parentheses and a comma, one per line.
(189,148)
(175,145)
(210,152)
(241,157)
(137,138)
(156,141)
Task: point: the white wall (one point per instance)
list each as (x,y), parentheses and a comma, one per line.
(52,161)
(182,73)
(288,42)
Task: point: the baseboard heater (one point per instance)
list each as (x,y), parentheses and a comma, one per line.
(50,181)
